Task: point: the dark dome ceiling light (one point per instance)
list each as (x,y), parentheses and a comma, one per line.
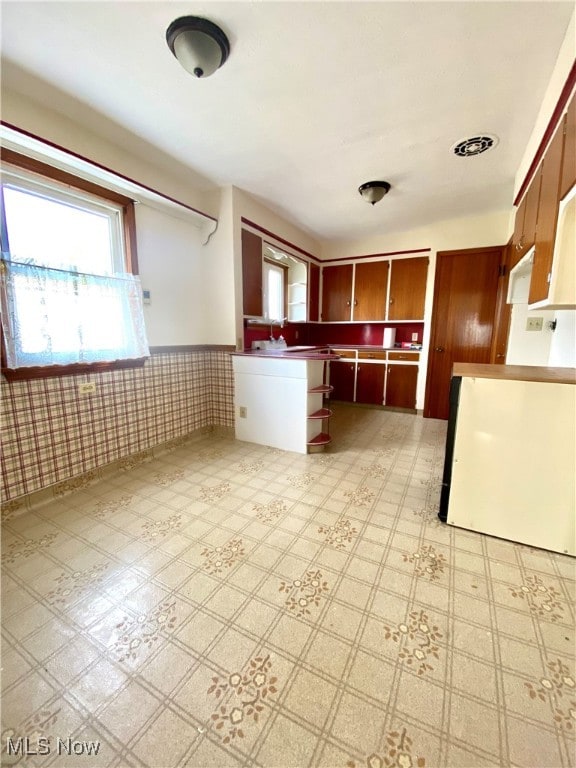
(200,46)
(373,191)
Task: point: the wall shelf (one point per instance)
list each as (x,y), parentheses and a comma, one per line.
(318,417)
(323,413)
(321,390)
(321,439)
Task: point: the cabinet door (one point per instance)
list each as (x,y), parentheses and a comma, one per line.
(370,383)
(547,218)
(525,222)
(401,386)
(569,160)
(252,274)
(407,289)
(518,232)
(370,287)
(342,379)
(336,292)
(502,314)
(313,292)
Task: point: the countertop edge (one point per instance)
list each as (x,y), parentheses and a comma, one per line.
(282,354)
(311,354)
(530,373)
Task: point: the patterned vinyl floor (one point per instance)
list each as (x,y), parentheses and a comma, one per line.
(226,604)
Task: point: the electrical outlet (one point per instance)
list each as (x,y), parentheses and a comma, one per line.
(243,412)
(87,388)
(414,337)
(534,323)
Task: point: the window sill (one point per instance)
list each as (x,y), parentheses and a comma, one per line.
(44,372)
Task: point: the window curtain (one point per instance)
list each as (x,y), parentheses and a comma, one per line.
(56,317)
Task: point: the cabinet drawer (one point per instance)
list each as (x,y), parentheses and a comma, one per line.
(411,357)
(374,355)
(348,354)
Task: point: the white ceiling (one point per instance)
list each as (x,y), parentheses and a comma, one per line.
(315,98)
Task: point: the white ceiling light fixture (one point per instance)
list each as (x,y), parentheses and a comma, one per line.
(200,46)
(373,191)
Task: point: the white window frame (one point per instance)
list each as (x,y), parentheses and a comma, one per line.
(118,276)
(267,269)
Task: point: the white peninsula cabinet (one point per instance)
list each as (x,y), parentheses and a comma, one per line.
(279,400)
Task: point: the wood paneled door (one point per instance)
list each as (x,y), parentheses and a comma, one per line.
(465,293)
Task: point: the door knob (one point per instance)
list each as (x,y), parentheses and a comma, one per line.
(438,349)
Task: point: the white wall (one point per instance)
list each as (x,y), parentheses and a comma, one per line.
(170,256)
(54,127)
(452,234)
(192,275)
(554,348)
(222,283)
(247,206)
(529,347)
(563,344)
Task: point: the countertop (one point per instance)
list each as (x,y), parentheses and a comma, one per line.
(516,373)
(290,353)
(313,352)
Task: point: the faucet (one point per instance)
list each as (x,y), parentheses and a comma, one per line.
(281,324)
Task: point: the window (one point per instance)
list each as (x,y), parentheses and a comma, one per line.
(69,295)
(273,291)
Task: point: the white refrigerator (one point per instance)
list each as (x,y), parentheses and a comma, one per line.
(510,466)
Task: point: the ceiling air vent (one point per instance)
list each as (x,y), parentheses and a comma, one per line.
(474,146)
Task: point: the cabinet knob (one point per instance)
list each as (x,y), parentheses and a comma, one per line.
(347,303)
(391,301)
(499,354)
(355,302)
(438,349)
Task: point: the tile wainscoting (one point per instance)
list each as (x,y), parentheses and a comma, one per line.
(51,433)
